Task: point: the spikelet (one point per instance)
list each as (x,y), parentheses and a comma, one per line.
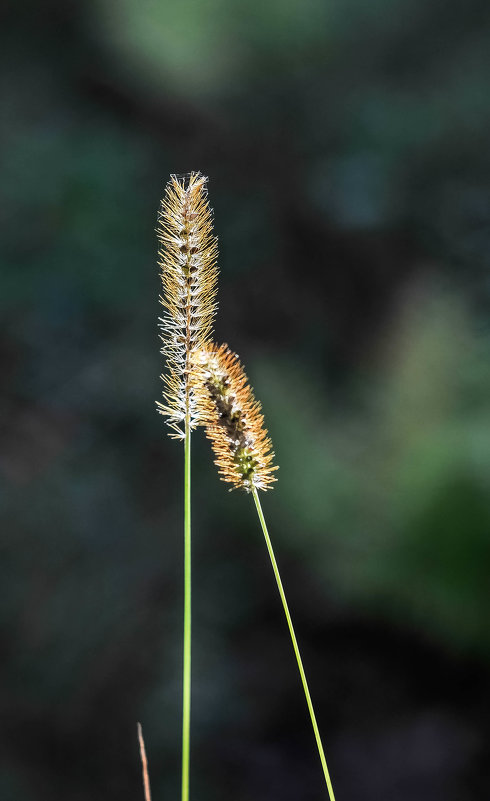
(189,273)
(233,419)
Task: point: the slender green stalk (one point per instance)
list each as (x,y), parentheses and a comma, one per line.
(186,676)
(295,645)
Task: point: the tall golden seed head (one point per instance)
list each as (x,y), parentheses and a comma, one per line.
(233,419)
(187,258)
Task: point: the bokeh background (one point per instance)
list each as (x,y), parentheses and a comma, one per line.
(347,149)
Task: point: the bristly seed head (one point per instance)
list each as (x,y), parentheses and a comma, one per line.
(189,273)
(233,419)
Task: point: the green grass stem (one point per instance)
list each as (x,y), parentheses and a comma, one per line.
(186,673)
(295,645)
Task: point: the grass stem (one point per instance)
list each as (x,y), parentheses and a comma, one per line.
(295,645)
(144,764)
(186,675)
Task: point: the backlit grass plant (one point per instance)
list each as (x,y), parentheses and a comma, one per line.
(189,273)
(205,385)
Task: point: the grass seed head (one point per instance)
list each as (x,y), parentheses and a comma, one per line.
(233,419)
(187,259)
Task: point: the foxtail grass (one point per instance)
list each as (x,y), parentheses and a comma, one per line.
(233,419)
(189,274)
(243,455)
(205,384)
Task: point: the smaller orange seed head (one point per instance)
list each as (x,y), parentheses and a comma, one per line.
(233,419)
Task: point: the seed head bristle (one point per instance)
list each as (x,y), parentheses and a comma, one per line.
(233,419)
(187,258)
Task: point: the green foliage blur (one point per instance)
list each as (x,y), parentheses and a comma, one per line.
(347,149)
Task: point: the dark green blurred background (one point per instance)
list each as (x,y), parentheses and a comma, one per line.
(347,145)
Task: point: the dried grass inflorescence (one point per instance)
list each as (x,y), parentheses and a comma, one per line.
(189,273)
(233,419)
